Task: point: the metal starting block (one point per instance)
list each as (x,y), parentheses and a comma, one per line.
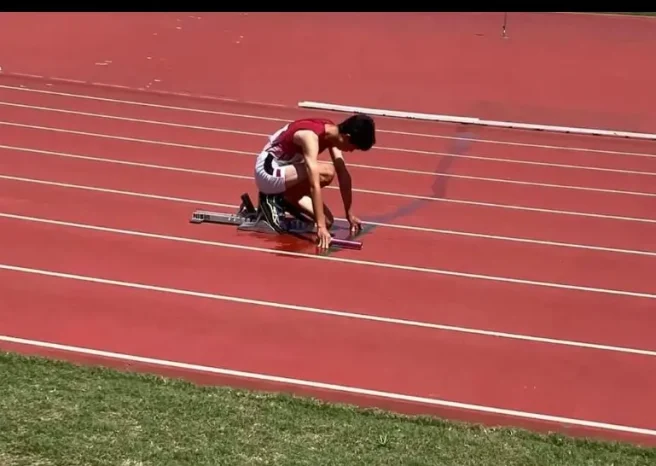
(204,216)
(247,218)
(250,222)
(246,211)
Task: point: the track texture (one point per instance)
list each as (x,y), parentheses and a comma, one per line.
(562,69)
(517,267)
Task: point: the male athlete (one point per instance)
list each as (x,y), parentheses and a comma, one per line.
(288,168)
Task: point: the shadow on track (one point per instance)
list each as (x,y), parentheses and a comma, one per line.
(439,186)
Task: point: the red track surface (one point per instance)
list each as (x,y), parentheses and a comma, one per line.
(43,178)
(100,184)
(574,70)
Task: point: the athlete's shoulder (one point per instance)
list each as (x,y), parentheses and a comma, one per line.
(311,123)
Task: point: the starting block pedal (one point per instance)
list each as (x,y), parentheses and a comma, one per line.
(247,204)
(246,211)
(203,216)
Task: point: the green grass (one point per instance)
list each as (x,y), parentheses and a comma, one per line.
(54,413)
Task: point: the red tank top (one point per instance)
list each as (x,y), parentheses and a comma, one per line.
(282,145)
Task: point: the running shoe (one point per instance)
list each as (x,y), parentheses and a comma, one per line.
(271,207)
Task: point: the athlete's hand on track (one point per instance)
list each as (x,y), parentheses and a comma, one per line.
(355,223)
(323,237)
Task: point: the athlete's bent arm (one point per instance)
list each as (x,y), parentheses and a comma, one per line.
(345,188)
(343,178)
(310,144)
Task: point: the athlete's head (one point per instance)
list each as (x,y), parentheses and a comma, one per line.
(357,132)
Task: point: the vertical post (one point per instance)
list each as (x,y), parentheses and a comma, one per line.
(505,21)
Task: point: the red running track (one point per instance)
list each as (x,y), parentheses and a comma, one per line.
(552,70)
(103,217)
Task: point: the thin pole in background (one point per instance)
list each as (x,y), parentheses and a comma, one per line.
(505,21)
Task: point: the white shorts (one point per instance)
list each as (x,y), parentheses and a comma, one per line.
(269,171)
(269,174)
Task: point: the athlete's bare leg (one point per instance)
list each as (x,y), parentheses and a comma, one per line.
(305,205)
(298,188)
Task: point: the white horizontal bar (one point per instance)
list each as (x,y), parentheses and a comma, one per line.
(474,121)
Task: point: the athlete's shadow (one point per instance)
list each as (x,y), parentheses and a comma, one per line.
(460,146)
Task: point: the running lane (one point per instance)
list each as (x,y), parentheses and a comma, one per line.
(276,343)
(553,86)
(490,143)
(493,305)
(526,261)
(627,194)
(539,378)
(222,184)
(507,258)
(258,117)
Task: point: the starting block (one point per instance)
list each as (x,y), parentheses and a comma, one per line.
(247,218)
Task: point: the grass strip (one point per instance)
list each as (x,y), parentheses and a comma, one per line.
(56,413)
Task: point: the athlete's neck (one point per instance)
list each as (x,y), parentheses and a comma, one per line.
(332,133)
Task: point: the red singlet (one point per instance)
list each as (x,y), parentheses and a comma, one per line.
(282,144)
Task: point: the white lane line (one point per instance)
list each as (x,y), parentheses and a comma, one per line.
(129,139)
(329,386)
(524,144)
(393,149)
(256,117)
(358,190)
(330,312)
(144,104)
(125,162)
(507,181)
(336,259)
(364,166)
(366,222)
(517,161)
(124,193)
(137,120)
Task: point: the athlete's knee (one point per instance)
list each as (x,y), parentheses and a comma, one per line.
(327,174)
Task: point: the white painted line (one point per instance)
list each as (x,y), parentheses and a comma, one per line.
(506,181)
(124,193)
(129,139)
(150,92)
(336,259)
(357,190)
(125,162)
(517,161)
(522,144)
(247,133)
(256,117)
(506,206)
(392,149)
(143,104)
(474,121)
(135,120)
(331,312)
(366,222)
(330,387)
(508,238)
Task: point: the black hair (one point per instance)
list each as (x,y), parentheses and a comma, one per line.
(361,130)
